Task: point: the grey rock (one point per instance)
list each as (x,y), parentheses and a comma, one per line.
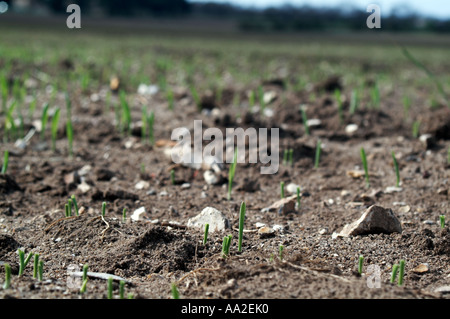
(375,220)
(216,220)
(285,205)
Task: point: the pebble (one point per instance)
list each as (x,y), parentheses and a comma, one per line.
(292,188)
(186,186)
(351,128)
(210,178)
(142,185)
(84,187)
(404,209)
(392,189)
(151,192)
(278,228)
(314,122)
(422,268)
(265,232)
(284,205)
(216,220)
(138,214)
(323,231)
(429,222)
(260,225)
(163,193)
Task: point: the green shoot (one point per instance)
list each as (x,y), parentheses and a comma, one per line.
(406,105)
(172,177)
(41,270)
(83,286)
(70,206)
(196,98)
(442,221)
(375,96)
(103,209)
(110,288)
(122,289)
(55,121)
(36,265)
(126,113)
(67,210)
(85,271)
(144,124)
(291,157)
(280,252)
(226,245)
(5,162)
(231,174)
(130,296)
(354,101)
(205,236)
(75,205)
(282,189)
(175,294)
(22,261)
(401,272)
(397,172)
(298,198)
(285,157)
(318,151)
(360,264)
(124,214)
(69,127)
(251,100)
(394,273)
(171,99)
(150,124)
(416,129)
(241,225)
(7,283)
(44,120)
(305,121)
(366,170)
(338,97)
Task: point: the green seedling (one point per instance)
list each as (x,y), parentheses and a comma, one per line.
(196,98)
(85,271)
(318,152)
(282,189)
(130,296)
(360,264)
(375,96)
(7,283)
(110,288)
(69,126)
(54,128)
(144,125)
(401,272)
(75,205)
(41,270)
(103,209)
(442,221)
(226,245)
(23,262)
(205,236)
(126,113)
(338,97)
(406,106)
(305,121)
(280,252)
(10,126)
(122,289)
(5,162)
(397,172)
(366,170)
(83,286)
(170,99)
(124,214)
(394,273)
(67,210)
(416,129)
(241,226)
(175,293)
(298,198)
(285,157)
(44,120)
(354,101)
(150,124)
(231,174)
(251,100)
(36,266)
(172,177)
(291,157)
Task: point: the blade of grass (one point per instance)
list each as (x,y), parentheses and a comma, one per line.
(241,226)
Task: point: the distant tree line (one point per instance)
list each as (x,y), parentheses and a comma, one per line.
(286,18)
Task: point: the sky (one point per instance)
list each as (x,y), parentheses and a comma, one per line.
(433,8)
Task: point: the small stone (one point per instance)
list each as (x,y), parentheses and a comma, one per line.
(314,122)
(392,189)
(427,140)
(260,225)
(428,222)
(356,174)
(186,186)
(351,128)
(268,112)
(138,214)
(404,209)
(292,188)
(142,185)
(265,232)
(443,191)
(163,193)
(86,169)
(151,192)
(57,240)
(375,220)
(269,97)
(210,178)
(285,205)
(278,228)
(422,268)
(216,220)
(323,231)
(399,204)
(84,187)
(129,144)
